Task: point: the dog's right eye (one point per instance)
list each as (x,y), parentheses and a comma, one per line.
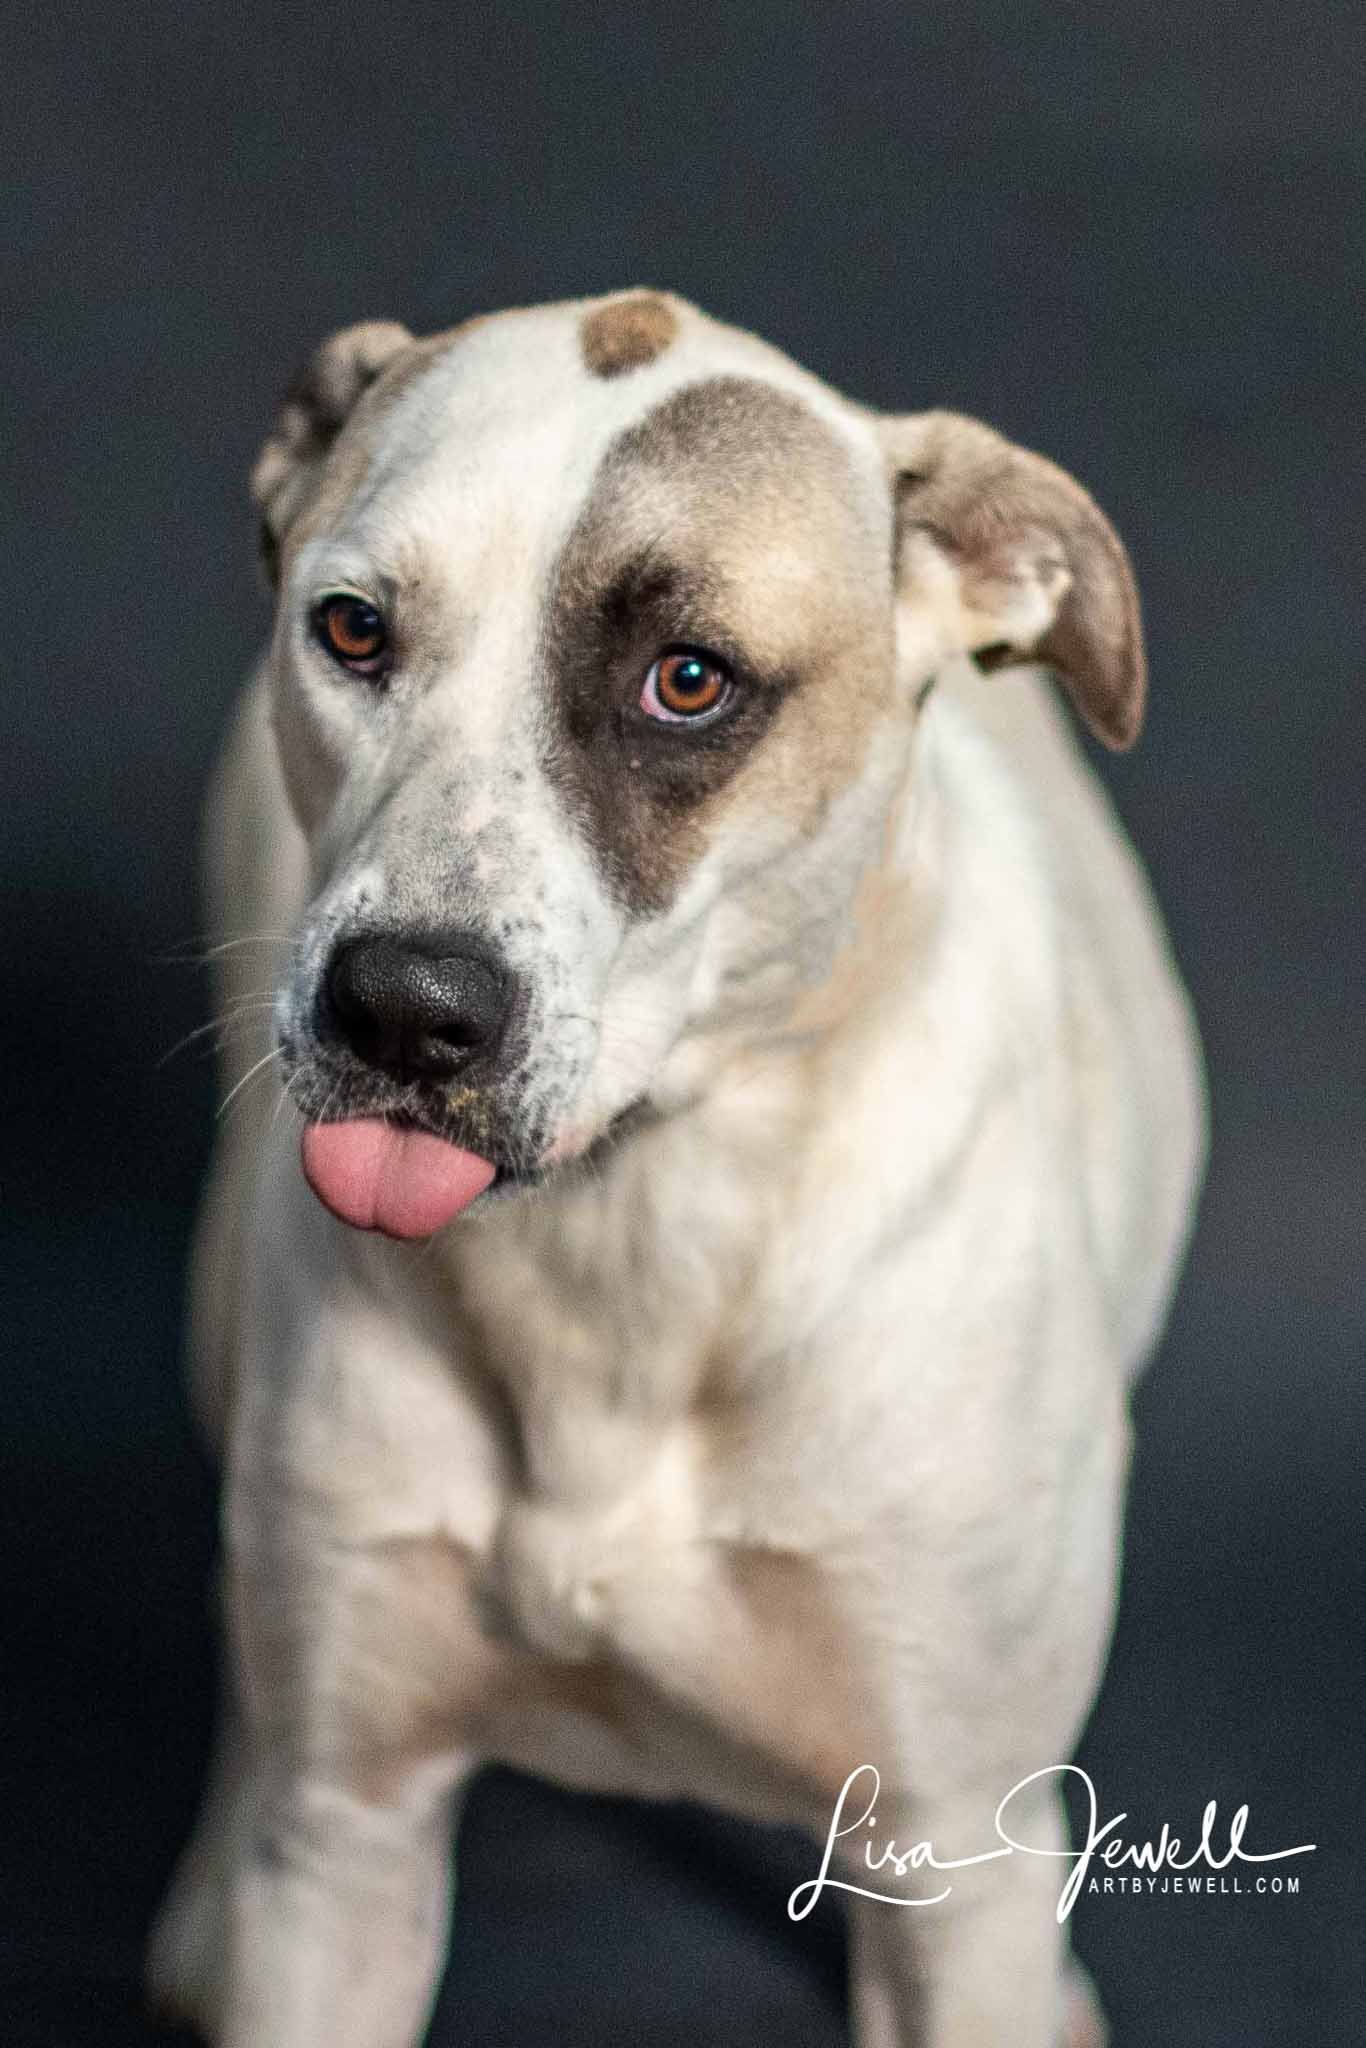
(353,632)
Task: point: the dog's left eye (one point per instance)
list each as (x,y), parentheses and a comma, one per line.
(686,684)
(353,631)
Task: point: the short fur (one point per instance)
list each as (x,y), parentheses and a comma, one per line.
(769,1417)
(627,332)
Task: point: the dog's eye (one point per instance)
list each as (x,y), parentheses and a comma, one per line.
(353,631)
(686,684)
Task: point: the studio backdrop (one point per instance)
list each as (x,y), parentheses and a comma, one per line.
(1128,237)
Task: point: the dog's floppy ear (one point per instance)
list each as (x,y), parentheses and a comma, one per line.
(1002,555)
(315,409)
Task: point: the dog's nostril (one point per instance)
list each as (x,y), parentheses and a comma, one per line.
(413,1012)
(458,1035)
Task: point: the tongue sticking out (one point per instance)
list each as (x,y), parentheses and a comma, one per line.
(379,1177)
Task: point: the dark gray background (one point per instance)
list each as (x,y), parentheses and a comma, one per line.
(1131,237)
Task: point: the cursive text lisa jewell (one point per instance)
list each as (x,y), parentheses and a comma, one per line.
(1101,1841)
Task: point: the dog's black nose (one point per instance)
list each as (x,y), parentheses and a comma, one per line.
(416,1013)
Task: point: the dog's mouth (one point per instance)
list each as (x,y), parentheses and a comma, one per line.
(395,1154)
(405,1159)
(398,1175)
(397,1178)
(402,1159)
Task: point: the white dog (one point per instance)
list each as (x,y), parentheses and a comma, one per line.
(799,1050)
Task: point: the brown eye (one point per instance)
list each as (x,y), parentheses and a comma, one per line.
(353,631)
(685,684)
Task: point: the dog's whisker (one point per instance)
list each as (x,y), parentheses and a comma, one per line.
(250,1075)
(199,952)
(240,1013)
(286,1096)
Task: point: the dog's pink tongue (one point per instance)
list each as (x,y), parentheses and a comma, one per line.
(405,1183)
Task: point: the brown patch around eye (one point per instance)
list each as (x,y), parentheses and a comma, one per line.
(693,540)
(627,333)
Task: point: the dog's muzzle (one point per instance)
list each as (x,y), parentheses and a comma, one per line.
(414,1028)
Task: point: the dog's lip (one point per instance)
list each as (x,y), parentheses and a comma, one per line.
(563,1156)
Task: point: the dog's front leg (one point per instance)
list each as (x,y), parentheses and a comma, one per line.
(339,1912)
(356,1670)
(985,1967)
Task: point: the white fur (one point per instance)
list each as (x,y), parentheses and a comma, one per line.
(862,1302)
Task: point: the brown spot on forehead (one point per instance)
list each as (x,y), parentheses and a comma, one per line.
(627,332)
(730,518)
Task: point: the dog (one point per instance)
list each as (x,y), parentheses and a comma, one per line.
(727,1129)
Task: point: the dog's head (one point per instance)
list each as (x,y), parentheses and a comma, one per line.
(601,639)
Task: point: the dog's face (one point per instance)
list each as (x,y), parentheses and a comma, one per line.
(601,635)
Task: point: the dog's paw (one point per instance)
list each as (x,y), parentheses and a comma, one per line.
(1083,2022)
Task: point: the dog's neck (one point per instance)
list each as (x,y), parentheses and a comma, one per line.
(893,911)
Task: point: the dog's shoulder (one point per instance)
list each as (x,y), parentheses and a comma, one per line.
(1124,1020)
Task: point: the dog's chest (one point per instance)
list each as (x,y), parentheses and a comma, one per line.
(645,1551)
(613,1332)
